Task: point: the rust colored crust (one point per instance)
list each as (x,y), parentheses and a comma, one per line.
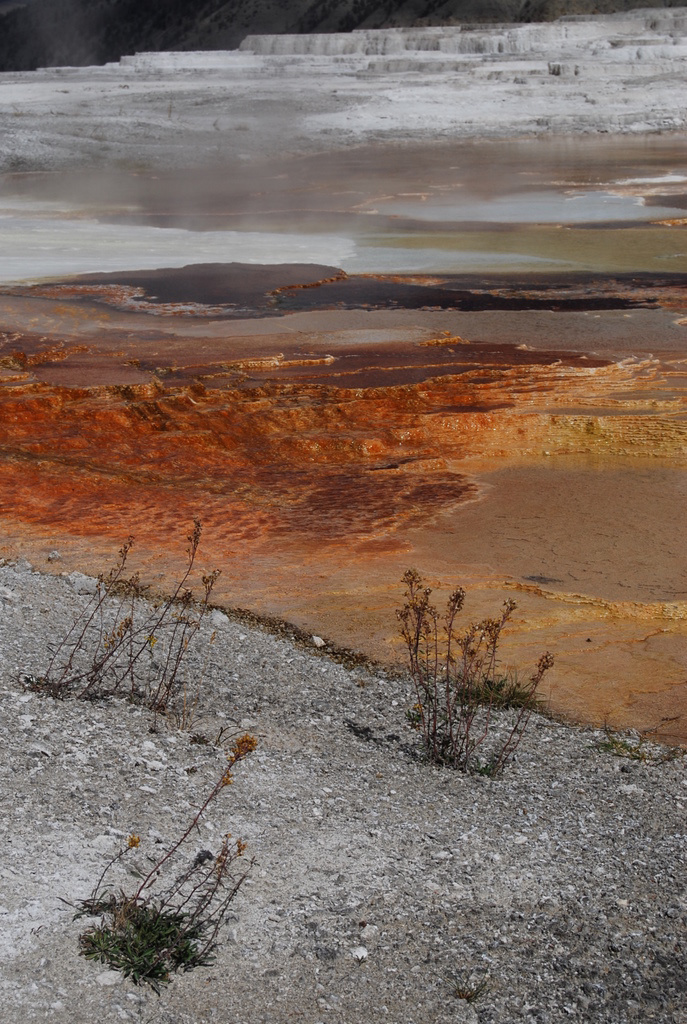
(322,472)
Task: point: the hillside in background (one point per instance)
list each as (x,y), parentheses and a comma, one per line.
(41,33)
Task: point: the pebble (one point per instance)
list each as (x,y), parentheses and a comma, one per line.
(109,978)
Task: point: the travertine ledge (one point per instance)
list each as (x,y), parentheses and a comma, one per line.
(621,73)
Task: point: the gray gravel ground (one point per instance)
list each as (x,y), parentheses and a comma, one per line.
(379,884)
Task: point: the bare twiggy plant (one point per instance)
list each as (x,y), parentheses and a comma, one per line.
(458,683)
(122,644)
(164,928)
(464,987)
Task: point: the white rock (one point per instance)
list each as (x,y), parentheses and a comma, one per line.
(108,978)
(103,844)
(37,748)
(359,954)
(82,584)
(318,641)
(218,619)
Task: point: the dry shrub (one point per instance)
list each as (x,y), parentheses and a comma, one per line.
(125,645)
(458,683)
(165,927)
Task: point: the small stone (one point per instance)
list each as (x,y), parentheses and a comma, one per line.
(39,750)
(102,843)
(318,641)
(54,556)
(82,584)
(108,978)
(218,619)
(359,954)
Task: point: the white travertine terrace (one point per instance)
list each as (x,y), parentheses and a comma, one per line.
(622,73)
(573,34)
